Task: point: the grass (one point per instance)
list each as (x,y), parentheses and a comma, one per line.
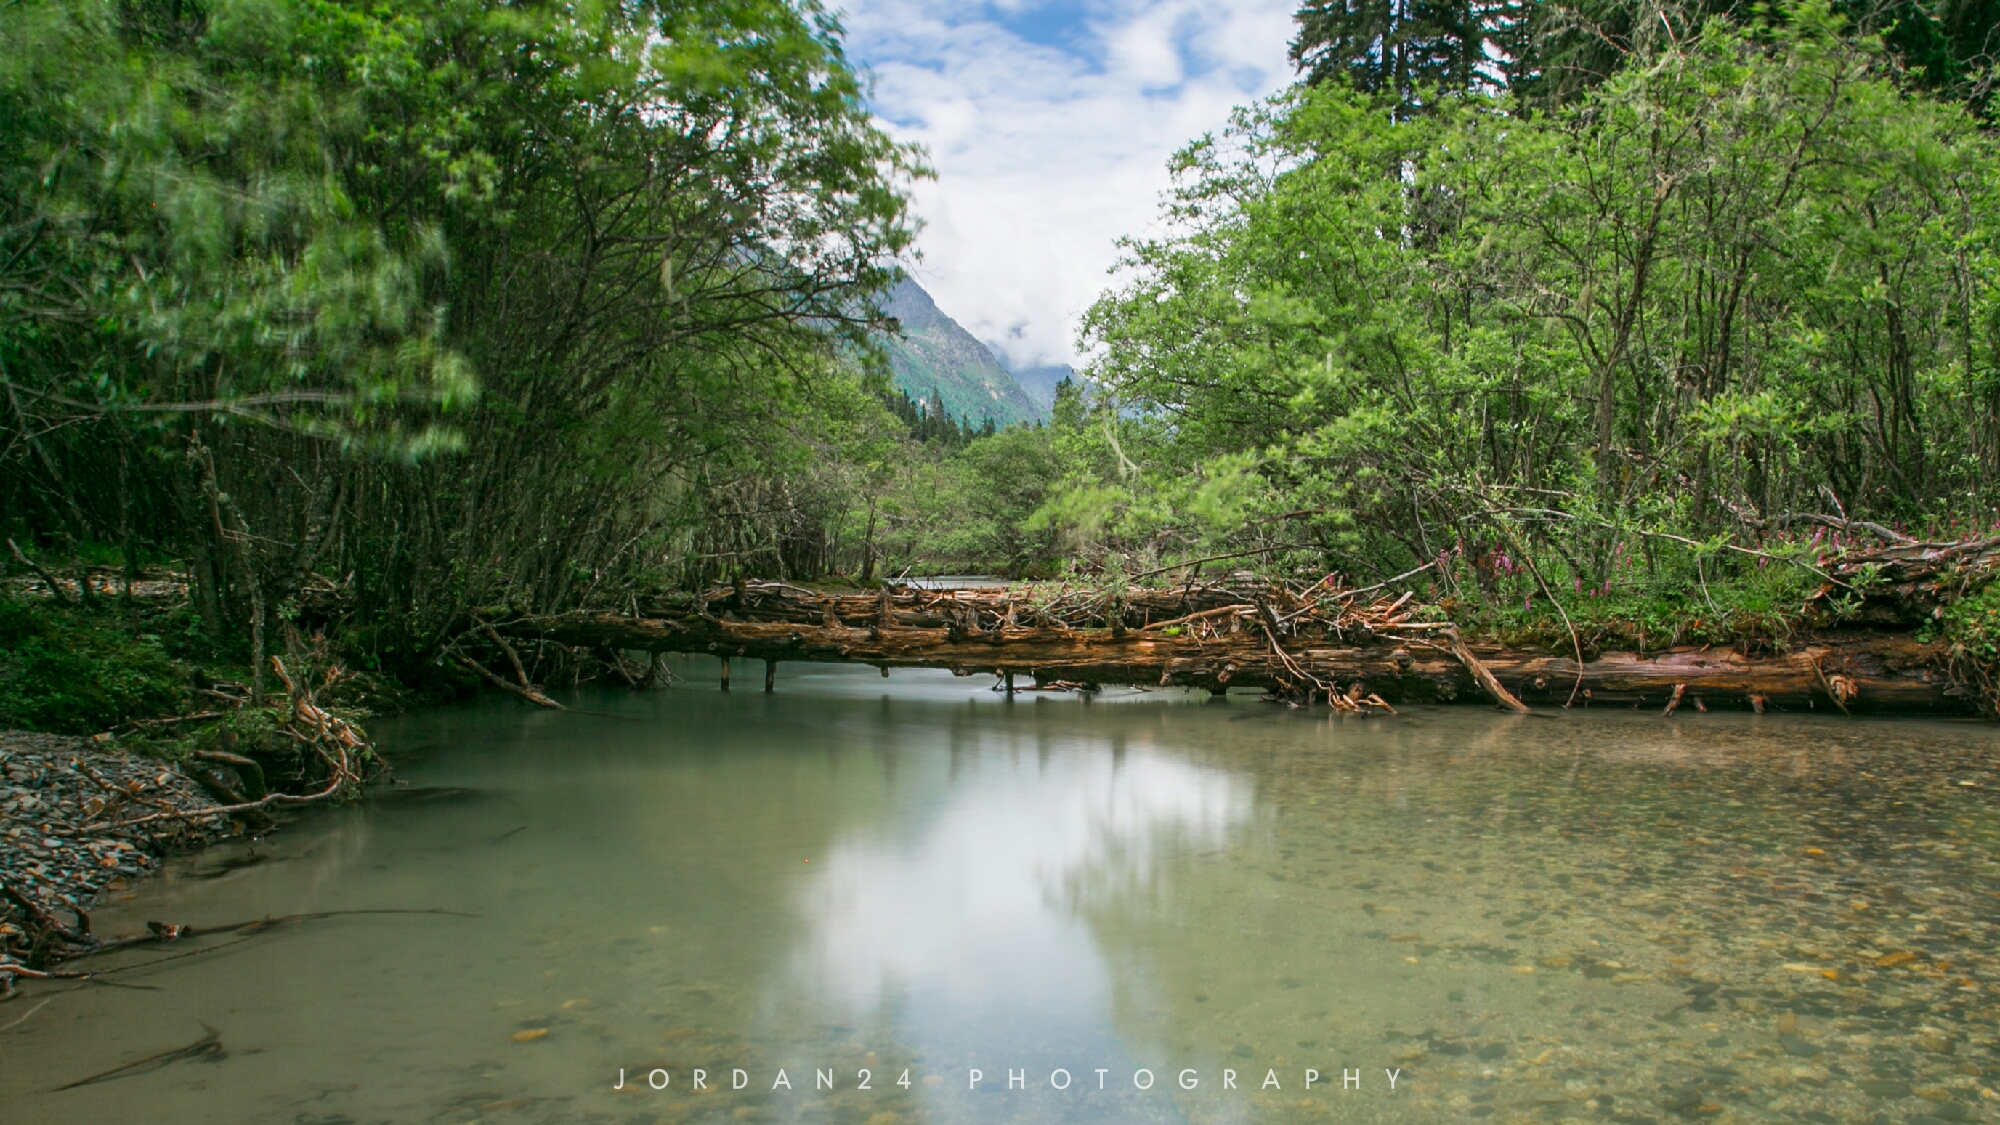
(72,670)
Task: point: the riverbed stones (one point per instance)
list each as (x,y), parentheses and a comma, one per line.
(61,841)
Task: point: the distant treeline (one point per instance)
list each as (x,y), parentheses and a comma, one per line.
(929,422)
(1552,52)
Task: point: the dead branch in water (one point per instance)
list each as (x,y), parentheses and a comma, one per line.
(528,693)
(208,1049)
(161,933)
(1483,674)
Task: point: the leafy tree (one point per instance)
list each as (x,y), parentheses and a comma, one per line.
(1948,47)
(458,302)
(1745,276)
(1575,45)
(1554,50)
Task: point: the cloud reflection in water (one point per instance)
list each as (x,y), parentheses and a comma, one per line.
(969,914)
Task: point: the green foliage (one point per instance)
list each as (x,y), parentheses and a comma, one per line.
(454,302)
(1972,626)
(1744,276)
(178,240)
(78,672)
(1552,52)
(1684,598)
(1946,48)
(1412,49)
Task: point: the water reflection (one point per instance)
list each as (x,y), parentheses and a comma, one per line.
(1595,918)
(973,913)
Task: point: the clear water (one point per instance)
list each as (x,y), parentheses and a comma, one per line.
(1598,916)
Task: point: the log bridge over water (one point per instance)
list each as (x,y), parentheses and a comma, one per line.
(1355,650)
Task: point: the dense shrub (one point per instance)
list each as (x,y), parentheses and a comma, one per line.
(75,671)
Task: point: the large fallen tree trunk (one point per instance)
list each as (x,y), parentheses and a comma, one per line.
(1303,647)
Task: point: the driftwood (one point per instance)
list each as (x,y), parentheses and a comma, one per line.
(524,691)
(1296,644)
(523,688)
(79,944)
(1483,674)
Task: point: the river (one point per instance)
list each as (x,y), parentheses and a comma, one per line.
(1130,907)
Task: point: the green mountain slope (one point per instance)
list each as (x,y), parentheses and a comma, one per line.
(935,353)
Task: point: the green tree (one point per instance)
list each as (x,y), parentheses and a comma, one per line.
(1948,47)
(1745,276)
(458,302)
(1411,48)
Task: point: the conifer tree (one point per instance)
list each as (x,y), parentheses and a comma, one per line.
(1409,47)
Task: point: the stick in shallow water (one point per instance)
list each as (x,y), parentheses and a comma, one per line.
(528,693)
(1483,674)
(25,1015)
(208,1049)
(159,933)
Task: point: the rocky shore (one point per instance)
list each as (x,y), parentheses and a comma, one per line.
(64,802)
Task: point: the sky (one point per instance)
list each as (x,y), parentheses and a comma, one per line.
(1049,125)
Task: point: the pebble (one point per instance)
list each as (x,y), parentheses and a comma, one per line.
(59,839)
(1829,955)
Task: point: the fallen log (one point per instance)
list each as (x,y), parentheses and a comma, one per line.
(1874,671)
(1908,583)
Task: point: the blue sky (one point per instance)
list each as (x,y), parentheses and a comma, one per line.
(1050,125)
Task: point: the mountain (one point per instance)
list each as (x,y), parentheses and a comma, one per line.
(935,353)
(1040,382)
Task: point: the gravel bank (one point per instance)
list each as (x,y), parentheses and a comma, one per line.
(61,801)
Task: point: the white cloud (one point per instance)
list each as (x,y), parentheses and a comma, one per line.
(1050,125)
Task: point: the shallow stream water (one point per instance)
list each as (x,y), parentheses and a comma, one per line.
(1181,909)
